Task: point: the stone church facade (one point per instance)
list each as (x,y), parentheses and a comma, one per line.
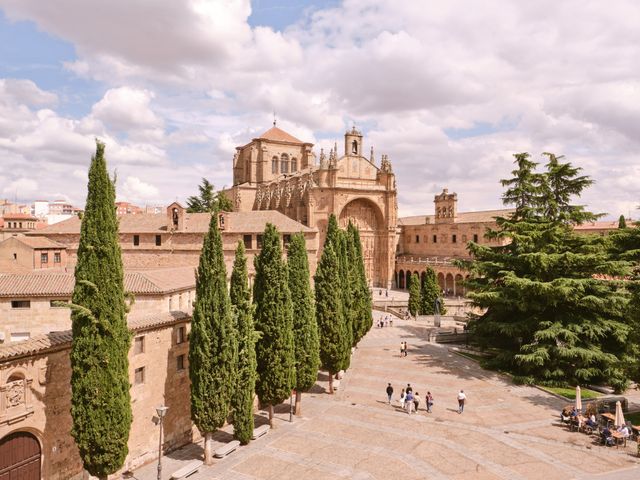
(276,171)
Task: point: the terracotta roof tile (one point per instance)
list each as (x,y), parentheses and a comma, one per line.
(279,135)
(463,217)
(38,242)
(60,284)
(49,341)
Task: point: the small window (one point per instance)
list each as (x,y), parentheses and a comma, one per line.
(435,239)
(294,165)
(181,334)
(158,240)
(180,362)
(417,238)
(56,257)
(138,345)
(20,336)
(136,240)
(475,237)
(286,239)
(139,376)
(274,165)
(259,241)
(20,303)
(454,238)
(44,258)
(57,303)
(247,241)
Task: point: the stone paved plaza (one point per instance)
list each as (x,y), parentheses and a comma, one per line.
(506,431)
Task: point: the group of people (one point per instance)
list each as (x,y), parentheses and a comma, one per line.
(410,401)
(403,349)
(588,423)
(386,321)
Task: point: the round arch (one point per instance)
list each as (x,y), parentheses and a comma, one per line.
(21,456)
(441,280)
(448,284)
(458,287)
(401,279)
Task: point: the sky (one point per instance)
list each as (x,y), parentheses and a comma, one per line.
(449,90)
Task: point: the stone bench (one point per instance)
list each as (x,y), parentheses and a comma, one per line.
(226,449)
(260,431)
(189,469)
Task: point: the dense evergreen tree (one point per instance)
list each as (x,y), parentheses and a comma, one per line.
(346,288)
(554,309)
(242,399)
(622,223)
(274,319)
(361,306)
(208,200)
(100,399)
(212,343)
(335,349)
(414,294)
(429,292)
(305,328)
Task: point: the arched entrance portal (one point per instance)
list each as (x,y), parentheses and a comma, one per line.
(366,216)
(20,457)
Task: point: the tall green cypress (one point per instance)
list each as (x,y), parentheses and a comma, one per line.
(346,288)
(242,399)
(622,222)
(414,294)
(334,347)
(305,328)
(212,346)
(100,398)
(274,319)
(429,292)
(362,296)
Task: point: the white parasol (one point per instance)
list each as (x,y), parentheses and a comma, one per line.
(619,421)
(578,398)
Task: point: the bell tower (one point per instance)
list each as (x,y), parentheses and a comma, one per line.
(446,206)
(353,143)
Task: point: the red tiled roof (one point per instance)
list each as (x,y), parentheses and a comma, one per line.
(463,217)
(601,225)
(62,339)
(19,216)
(278,135)
(60,284)
(39,242)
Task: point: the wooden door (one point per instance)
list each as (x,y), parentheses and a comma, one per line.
(19,457)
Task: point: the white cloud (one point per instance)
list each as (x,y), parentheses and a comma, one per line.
(136,190)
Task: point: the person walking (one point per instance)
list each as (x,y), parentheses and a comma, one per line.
(401,349)
(403,396)
(461,399)
(429,400)
(408,401)
(409,388)
(406,349)
(389,393)
(416,401)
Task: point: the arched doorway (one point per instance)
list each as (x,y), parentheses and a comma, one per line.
(20,457)
(365,215)
(458,288)
(448,285)
(401,279)
(441,281)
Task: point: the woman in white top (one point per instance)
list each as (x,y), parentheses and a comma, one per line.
(461,399)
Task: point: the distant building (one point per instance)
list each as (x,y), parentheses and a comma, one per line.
(126,208)
(25,253)
(18,223)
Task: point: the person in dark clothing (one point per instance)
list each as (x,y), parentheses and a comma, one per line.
(389,393)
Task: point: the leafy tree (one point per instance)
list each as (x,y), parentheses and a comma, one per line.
(622,223)
(242,399)
(414,294)
(361,306)
(346,287)
(429,293)
(212,346)
(208,200)
(334,346)
(274,319)
(305,328)
(100,398)
(554,308)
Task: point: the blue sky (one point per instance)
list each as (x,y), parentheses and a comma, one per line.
(175,89)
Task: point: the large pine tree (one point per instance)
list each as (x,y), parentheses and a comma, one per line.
(274,319)
(414,294)
(554,309)
(100,399)
(305,328)
(335,348)
(242,399)
(212,345)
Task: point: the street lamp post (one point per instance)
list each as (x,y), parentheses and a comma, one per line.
(161,411)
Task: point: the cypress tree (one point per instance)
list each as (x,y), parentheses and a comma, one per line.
(212,346)
(555,309)
(274,319)
(362,296)
(622,223)
(305,328)
(346,288)
(429,292)
(414,294)
(334,348)
(100,398)
(242,400)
